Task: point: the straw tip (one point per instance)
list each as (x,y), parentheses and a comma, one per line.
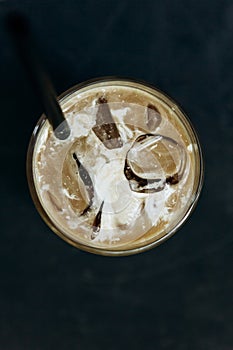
(62,132)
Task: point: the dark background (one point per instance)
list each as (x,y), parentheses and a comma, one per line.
(177,296)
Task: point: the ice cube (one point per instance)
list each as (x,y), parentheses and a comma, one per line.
(152,161)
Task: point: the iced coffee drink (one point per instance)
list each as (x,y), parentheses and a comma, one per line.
(127,176)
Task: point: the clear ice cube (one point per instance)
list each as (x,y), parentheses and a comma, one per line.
(154,160)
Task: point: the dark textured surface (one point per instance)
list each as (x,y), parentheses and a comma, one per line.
(177,296)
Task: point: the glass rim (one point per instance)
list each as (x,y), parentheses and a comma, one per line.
(98,250)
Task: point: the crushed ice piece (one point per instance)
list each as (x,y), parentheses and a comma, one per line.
(190,148)
(45,187)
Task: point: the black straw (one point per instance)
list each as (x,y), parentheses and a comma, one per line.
(19,28)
